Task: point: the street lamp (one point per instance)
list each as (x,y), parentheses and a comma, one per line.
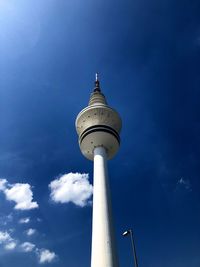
(126,233)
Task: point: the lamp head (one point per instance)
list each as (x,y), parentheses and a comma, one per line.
(126,233)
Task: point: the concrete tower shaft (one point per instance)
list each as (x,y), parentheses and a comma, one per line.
(104,252)
(98,127)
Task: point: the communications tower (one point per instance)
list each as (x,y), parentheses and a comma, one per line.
(98,127)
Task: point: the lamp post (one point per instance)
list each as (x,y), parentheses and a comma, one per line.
(126,233)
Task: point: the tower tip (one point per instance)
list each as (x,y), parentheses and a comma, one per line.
(97,84)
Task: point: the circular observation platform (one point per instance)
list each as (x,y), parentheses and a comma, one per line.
(98,125)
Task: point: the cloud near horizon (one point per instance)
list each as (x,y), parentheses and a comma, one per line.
(71,187)
(24,220)
(30,232)
(7,241)
(11,245)
(27,247)
(45,255)
(20,193)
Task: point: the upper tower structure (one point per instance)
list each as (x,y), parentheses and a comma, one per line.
(98,125)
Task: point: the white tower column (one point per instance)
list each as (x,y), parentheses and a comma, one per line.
(104,253)
(98,127)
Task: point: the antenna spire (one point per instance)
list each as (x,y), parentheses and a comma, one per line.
(97,83)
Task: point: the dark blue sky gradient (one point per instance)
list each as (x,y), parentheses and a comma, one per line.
(148,57)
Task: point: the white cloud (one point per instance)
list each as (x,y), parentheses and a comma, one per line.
(27,247)
(24,220)
(30,231)
(45,255)
(6,219)
(4,237)
(185,183)
(71,187)
(6,240)
(9,217)
(11,245)
(20,193)
(3,184)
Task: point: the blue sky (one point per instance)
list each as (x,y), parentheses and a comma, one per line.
(147,54)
